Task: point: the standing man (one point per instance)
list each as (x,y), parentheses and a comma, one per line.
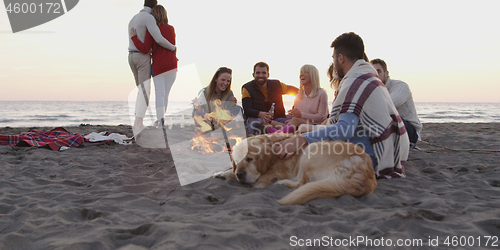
(402,98)
(258,95)
(362,113)
(141,63)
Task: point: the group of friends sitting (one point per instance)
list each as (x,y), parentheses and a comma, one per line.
(369,108)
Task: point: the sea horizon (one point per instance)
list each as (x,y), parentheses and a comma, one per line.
(75,113)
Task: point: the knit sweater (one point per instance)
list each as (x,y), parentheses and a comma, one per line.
(164,60)
(313,109)
(143,22)
(403,101)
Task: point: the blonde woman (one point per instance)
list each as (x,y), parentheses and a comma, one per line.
(310,105)
(335,85)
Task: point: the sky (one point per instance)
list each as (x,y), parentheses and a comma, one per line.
(447,51)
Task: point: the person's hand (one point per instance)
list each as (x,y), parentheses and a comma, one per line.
(285,149)
(175,53)
(233,99)
(296,113)
(265,116)
(324,117)
(325,122)
(133,32)
(196,102)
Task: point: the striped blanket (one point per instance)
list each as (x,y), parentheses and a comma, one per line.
(54,139)
(362,93)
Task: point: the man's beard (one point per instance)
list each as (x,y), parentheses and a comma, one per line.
(261,81)
(338,70)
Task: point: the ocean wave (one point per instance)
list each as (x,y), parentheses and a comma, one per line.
(45,119)
(51,116)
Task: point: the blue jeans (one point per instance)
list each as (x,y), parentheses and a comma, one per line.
(255,125)
(411,131)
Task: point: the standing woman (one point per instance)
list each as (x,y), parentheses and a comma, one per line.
(164,60)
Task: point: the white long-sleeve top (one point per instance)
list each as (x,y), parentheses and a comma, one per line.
(142,22)
(403,101)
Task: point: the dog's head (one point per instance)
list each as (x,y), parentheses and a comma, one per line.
(253,157)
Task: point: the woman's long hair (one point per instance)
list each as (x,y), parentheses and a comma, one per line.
(314,75)
(160,14)
(210,91)
(334,80)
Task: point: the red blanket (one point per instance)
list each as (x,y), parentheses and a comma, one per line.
(53,139)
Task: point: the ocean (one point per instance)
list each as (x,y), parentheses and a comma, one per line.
(64,114)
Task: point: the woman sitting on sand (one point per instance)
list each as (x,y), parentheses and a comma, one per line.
(218,89)
(164,61)
(310,105)
(334,84)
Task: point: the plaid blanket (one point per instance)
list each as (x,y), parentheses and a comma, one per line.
(362,93)
(53,139)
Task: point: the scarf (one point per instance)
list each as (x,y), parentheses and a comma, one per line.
(362,93)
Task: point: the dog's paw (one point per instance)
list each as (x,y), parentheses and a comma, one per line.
(224,174)
(282,182)
(219,176)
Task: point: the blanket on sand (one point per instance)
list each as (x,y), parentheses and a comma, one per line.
(54,139)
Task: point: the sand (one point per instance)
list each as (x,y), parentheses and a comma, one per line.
(111,196)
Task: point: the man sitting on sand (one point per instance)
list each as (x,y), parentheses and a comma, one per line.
(363,113)
(258,95)
(402,98)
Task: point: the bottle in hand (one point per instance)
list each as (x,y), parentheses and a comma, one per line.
(271,111)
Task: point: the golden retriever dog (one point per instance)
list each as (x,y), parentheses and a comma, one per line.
(319,170)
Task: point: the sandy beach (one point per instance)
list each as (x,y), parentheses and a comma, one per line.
(111,196)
